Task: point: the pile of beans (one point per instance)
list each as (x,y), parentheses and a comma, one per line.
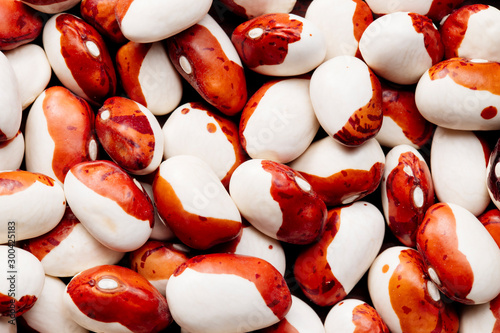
(235,166)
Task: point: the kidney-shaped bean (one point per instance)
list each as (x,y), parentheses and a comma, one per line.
(404,296)
(79,57)
(145,21)
(130,134)
(279,44)
(329,269)
(278,121)
(21,189)
(112,298)
(472,32)
(407,192)
(461,257)
(204,56)
(460,94)
(347,100)
(278,201)
(339,174)
(112,206)
(192,201)
(401,46)
(59,133)
(226,293)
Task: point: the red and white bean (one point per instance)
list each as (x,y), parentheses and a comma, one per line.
(460,94)
(144,21)
(79,57)
(227,293)
(148,76)
(278,122)
(405,297)
(194,203)
(407,192)
(130,134)
(460,256)
(347,99)
(112,206)
(279,44)
(59,133)
(322,271)
(204,56)
(472,32)
(112,298)
(401,46)
(341,175)
(289,209)
(44,197)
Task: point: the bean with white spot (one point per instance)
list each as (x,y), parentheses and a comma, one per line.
(288,208)
(405,297)
(461,256)
(407,192)
(116,299)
